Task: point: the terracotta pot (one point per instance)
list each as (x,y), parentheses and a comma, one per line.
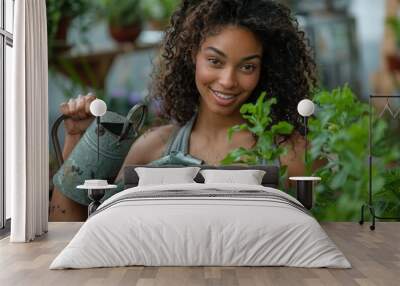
(125,34)
(393,62)
(158,25)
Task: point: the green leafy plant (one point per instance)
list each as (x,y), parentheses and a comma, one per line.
(388,198)
(259,123)
(339,135)
(394,24)
(159,10)
(58,9)
(122,13)
(59,14)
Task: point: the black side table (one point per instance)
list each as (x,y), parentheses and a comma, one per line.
(95,194)
(305,189)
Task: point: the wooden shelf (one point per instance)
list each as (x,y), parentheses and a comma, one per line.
(92,68)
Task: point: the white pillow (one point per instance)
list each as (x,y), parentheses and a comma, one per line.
(248,177)
(162,176)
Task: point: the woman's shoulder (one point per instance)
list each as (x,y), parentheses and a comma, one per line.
(157,136)
(151,144)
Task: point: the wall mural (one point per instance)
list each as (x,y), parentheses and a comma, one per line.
(214,93)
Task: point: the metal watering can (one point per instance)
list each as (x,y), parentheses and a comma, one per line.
(116,134)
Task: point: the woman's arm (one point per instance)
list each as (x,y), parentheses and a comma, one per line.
(70,142)
(62,208)
(294,158)
(148,147)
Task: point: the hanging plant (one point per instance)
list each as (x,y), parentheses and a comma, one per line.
(59,14)
(124,17)
(159,12)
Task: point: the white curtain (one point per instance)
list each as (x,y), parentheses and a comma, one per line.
(27,171)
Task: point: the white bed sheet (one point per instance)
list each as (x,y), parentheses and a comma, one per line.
(200,231)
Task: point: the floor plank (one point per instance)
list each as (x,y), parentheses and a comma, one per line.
(374,255)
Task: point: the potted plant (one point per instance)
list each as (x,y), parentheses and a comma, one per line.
(124,17)
(59,15)
(158,12)
(259,123)
(393,60)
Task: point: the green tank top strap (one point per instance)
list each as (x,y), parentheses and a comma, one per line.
(177,149)
(179,140)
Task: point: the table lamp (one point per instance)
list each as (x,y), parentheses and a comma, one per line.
(98,108)
(305,184)
(305,108)
(96,187)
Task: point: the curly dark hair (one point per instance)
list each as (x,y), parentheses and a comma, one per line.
(288,68)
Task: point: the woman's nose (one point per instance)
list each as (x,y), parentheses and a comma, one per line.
(228,79)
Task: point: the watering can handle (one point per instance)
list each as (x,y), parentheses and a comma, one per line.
(142,111)
(55,141)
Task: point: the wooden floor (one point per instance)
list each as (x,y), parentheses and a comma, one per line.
(374,255)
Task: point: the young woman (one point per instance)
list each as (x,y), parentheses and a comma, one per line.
(216,55)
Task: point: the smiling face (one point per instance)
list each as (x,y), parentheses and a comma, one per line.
(228,68)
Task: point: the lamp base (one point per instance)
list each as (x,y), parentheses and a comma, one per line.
(305,193)
(95,195)
(305,190)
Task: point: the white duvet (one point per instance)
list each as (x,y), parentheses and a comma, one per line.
(183,231)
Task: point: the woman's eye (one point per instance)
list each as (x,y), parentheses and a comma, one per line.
(248,68)
(214,61)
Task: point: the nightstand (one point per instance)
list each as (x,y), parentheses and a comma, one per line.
(95,194)
(305,189)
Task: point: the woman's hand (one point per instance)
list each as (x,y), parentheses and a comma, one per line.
(79,114)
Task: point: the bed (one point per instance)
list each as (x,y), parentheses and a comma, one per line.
(201,224)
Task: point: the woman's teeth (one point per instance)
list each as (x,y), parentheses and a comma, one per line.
(223,96)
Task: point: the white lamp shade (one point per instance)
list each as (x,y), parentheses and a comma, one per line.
(305,107)
(98,107)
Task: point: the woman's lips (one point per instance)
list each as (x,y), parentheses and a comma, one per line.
(223,99)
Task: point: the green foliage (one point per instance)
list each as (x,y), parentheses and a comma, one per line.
(258,122)
(58,9)
(160,10)
(388,198)
(339,136)
(60,12)
(394,24)
(121,13)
